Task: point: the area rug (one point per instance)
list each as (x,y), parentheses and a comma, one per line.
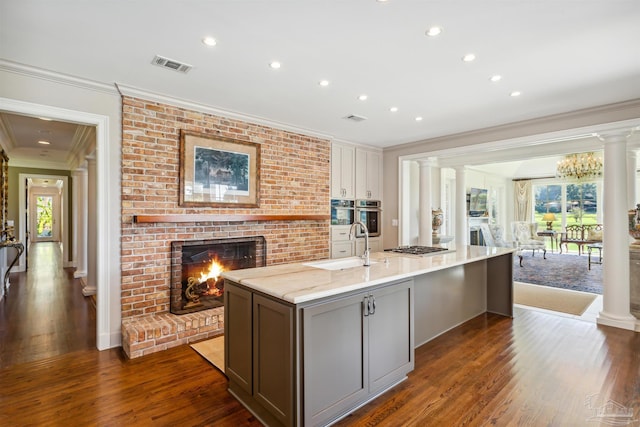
(212,350)
(563,300)
(564,271)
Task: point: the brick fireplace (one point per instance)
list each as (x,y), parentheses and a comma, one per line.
(294,174)
(197,266)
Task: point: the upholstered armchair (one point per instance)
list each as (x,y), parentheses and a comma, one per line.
(526,238)
(493,235)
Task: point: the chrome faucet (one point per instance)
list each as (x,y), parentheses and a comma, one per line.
(365,255)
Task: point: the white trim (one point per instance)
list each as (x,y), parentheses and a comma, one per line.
(52,76)
(134,92)
(105,338)
(21,265)
(628,323)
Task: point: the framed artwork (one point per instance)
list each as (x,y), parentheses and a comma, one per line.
(218,172)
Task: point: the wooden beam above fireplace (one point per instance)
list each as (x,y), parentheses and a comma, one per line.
(141,219)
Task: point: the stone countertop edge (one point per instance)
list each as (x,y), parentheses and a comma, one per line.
(298,283)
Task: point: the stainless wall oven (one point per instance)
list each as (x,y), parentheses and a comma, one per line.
(342,212)
(370,213)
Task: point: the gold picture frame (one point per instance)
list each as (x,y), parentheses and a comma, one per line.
(218,172)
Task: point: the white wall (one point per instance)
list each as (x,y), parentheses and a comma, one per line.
(24,90)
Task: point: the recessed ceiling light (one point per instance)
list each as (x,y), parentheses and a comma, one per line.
(496,78)
(209,41)
(324,83)
(515,93)
(393,109)
(469,57)
(46,119)
(433,31)
(418,119)
(43,142)
(275,65)
(363,97)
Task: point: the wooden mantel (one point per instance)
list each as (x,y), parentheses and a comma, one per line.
(140,219)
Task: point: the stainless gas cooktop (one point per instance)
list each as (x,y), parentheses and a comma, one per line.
(416,250)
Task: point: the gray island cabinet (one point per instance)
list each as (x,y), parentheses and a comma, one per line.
(316,361)
(305,345)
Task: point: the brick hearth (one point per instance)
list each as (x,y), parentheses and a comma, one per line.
(148,334)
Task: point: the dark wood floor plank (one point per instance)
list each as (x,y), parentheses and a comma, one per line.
(44,313)
(537,369)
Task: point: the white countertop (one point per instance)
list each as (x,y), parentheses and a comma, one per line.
(298,283)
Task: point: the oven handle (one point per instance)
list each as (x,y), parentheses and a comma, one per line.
(369,209)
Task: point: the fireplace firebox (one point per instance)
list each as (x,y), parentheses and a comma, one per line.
(196,267)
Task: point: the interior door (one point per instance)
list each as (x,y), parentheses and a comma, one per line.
(45,217)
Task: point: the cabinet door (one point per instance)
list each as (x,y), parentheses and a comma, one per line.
(273,385)
(374,246)
(342,171)
(335,336)
(368,174)
(391,346)
(237,336)
(341,249)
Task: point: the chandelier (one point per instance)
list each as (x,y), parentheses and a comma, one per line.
(580,167)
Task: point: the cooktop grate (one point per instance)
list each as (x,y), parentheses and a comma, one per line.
(416,250)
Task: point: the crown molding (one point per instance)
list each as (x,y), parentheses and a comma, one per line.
(52,76)
(610,118)
(134,92)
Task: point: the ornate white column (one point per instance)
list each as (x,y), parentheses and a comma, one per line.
(79,231)
(424,227)
(92,227)
(462,234)
(632,167)
(616,297)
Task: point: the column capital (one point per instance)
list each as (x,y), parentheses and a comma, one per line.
(612,137)
(460,168)
(428,162)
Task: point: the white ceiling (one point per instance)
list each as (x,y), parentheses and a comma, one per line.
(562,55)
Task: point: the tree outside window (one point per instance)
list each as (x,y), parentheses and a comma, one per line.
(582,203)
(44,205)
(548,199)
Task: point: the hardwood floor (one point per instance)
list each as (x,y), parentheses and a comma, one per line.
(537,369)
(44,313)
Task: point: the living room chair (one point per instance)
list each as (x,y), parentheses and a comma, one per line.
(493,235)
(526,238)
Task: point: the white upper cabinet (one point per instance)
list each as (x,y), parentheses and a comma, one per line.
(368,174)
(342,171)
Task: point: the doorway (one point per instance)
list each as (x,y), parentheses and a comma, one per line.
(44,199)
(107,230)
(45,215)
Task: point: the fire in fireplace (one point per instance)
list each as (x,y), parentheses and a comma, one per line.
(196,267)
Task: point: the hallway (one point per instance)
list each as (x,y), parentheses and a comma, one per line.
(44,313)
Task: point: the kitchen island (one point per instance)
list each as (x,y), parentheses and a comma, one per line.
(306,344)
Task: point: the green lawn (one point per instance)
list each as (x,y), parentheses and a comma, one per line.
(587,218)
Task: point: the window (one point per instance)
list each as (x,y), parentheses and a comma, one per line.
(582,203)
(578,206)
(548,199)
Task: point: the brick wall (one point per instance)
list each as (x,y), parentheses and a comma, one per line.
(294,179)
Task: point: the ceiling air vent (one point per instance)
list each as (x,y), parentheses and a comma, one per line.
(161,61)
(355,118)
